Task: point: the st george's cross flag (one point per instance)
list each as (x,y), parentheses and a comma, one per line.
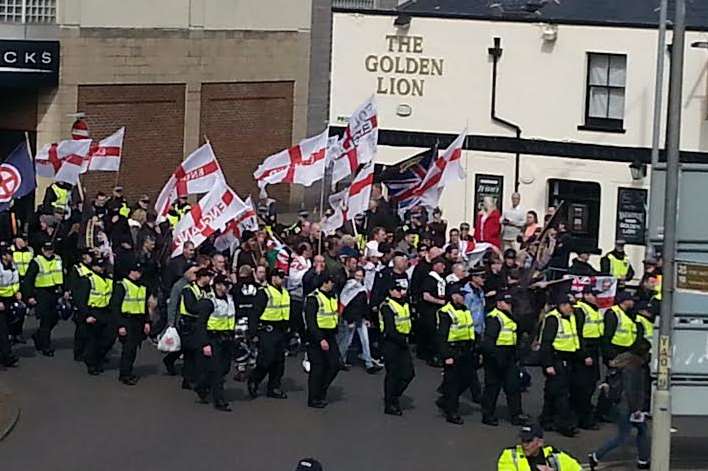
(351,202)
(105,155)
(246,220)
(303,163)
(198,173)
(358,143)
(445,169)
(211,214)
(63,161)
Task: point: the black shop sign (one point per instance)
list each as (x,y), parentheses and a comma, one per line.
(488,185)
(631,215)
(29,64)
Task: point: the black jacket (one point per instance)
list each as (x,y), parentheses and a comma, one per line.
(447,349)
(357,309)
(580,268)
(315,333)
(388,318)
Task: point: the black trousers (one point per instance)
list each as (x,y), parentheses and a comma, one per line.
(215,368)
(100,337)
(582,387)
(556,398)
(324,367)
(496,377)
(135,334)
(80,337)
(459,376)
(46,310)
(271,357)
(16,322)
(5,347)
(425,335)
(399,371)
(191,349)
(297,321)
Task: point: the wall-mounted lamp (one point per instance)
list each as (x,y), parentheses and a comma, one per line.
(638,170)
(402,21)
(700,45)
(549,33)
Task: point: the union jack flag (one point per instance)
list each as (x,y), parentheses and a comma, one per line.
(403,179)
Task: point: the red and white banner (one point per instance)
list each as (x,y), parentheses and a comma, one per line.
(358,144)
(446,169)
(605,285)
(63,161)
(303,163)
(106,154)
(247,220)
(199,173)
(211,214)
(354,200)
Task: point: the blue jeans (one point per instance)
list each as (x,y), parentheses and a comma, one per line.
(345,337)
(624,433)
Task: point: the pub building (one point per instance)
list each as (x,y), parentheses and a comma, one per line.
(558,103)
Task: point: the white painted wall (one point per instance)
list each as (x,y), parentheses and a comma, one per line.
(268,15)
(540,86)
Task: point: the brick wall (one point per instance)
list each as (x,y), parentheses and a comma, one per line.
(154,119)
(246,122)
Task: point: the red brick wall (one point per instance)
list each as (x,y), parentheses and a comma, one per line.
(153,116)
(245,122)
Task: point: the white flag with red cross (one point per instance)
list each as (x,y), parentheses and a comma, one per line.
(63,161)
(446,169)
(354,200)
(106,154)
(358,144)
(211,214)
(303,163)
(198,173)
(246,220)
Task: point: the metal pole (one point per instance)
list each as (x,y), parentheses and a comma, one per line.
(658,104)
(661,425)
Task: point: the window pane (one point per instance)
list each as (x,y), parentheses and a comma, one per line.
(616,104)
(598,69)
(618,71)
(597,107)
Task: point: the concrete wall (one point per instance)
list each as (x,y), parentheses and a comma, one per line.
(261,15)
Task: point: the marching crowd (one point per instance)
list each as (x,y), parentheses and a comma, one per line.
(400,287)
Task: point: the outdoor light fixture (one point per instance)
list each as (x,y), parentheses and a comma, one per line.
(402,21)
(700,45)
(638,170)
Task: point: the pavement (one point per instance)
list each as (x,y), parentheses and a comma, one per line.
(74,421)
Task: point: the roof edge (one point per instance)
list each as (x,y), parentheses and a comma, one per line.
(464,16)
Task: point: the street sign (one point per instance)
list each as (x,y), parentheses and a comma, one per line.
(631,215)
(692,277)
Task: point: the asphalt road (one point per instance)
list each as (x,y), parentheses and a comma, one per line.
(73,421)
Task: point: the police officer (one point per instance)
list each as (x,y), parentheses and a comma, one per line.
(101,326)
(589,321)
(9,292)
(501,368)
(179,209)
(396,328)
(42,287)
(621,334)
(617,264)
(129,306)
(560,347)
(22,255)
(532,454)
(56,198)
(188,316)
(321,320)
(217,351)
(457,345)
(78,272)
(268,326)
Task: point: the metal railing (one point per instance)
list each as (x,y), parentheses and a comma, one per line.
(28,11)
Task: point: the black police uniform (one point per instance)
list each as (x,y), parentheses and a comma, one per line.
(272,341)
(195,306)
(462,374)
(501,370)
(585,377)
(10,277)
(46,307)
(76,273)
(134,324)
(101,334)
(397,356)
(324,365)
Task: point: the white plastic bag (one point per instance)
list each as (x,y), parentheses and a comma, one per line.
(169,341)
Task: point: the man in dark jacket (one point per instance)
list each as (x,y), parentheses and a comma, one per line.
(321,319)
(581,265)
(396,327)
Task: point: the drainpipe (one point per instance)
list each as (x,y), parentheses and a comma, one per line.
(496,52)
